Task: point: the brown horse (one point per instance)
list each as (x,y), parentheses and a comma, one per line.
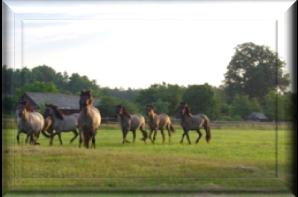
(130,122)
(158,122)
(89,119)
(29,122)
(193,122)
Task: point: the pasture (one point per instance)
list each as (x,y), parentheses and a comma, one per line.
(235,159)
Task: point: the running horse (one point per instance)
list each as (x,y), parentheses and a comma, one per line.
(89,119)
(193,122)
(130,122)
(158,122)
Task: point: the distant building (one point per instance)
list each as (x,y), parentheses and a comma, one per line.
(65,102)
(257,116)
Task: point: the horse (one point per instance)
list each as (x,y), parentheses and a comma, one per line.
(159,122)
(89,119)
(29,122)
(60,122)
(130,122)
(193,122)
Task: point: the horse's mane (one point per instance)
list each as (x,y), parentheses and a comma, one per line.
(150,106)
(186,107)
(125,112)
(27,106)
(88,94)
(57,112)
(187,111)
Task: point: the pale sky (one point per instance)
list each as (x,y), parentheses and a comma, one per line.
(135,44)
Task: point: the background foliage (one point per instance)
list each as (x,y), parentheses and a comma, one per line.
(254,82)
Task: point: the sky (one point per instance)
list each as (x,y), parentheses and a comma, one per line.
(136,44)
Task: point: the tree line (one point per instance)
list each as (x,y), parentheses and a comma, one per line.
(254,82)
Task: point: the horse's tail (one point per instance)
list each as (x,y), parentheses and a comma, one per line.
(171,128)
(45,134)
(47,126)
(207,128)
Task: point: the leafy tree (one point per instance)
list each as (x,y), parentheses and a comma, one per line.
(77,83)
(279,106)
(161,106)
(7,74)
(8,104)
(44,73)
(254,70)
(108,104)
(36,86)
(201,99)
(242,106)
(161,94)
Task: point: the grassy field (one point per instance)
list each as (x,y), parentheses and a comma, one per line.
(235,160)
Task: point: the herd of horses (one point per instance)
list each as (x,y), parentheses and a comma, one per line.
(85,123)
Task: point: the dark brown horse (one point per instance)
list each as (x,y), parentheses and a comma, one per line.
(193,122)
(158,122)
(89,119)
(130,122)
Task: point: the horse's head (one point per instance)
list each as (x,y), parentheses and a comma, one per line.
(86,99)
(47,111)
(23,108)
(120,111)
(52,110)
(150,109)
(183,109)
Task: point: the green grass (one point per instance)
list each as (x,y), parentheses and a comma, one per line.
(234,160)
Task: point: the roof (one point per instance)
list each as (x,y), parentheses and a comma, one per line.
(62,101)
(257,115)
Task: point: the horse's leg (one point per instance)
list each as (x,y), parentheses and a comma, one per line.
(52,138)
(199,137)
(27,138)
(144,133)
(133,136)
(182,138)
(86,140)
(18,136)
(169,133)
(163,136)
(187,136)
(93,141)
(31,138)
(35,137)
(125,134)
(81,139)
(59,136)
(154,135)
(75,135)
(150,135)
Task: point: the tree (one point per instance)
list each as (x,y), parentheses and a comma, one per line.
(36,87)
(108,105)
(7,74)
(254,70)
(166,97)
(279,106)
(242,106)
(43,73)
(201,99)
(77,83)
